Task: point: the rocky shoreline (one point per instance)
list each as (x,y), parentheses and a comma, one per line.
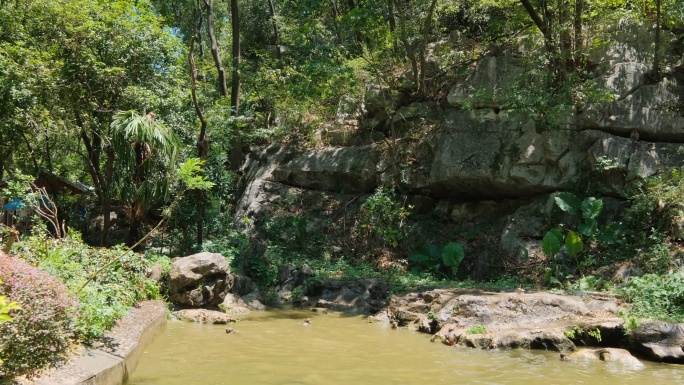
(561,322)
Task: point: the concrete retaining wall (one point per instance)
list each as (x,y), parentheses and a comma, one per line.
(113,363)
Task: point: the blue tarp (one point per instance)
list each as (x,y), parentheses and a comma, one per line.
(14,204)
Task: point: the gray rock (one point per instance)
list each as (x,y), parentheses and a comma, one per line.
(155,273)
(660,341)
(356,296)
(199,280)
(491,84)
(349,169)
(242,285)
(511,320)
(614,355)
(203,316)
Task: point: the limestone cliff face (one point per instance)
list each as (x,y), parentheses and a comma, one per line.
(491,159)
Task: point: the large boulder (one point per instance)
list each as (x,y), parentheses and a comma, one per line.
(199,280)
(660,341)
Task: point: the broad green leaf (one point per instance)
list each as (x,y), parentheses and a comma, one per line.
(434,251)
(610,234)
(591,208)
(553,239)
(589,228)
(452,255)
(419,257)
(573,243)
(567,202)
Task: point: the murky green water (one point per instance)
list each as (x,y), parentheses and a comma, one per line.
(273,348)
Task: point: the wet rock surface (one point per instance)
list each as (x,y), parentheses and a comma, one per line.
(609,355)
(659,341)
(490,320)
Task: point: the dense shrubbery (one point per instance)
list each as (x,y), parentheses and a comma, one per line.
(657,296)
(41,331)
(109,295)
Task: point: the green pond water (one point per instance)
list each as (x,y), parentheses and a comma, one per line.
(273,348)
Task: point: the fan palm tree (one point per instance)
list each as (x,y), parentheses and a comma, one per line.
(145,151)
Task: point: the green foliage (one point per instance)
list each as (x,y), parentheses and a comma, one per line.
(477,329)
(652,221)
(574,332)
(385,215)
(568,202)
(553,239)
(436,259)
(40,334)
(190,174)
(654,296)
(577,332)
(591,283)
(109,296)
(588,210)
(5,308)
(573,243)
(584,215)
(596,333)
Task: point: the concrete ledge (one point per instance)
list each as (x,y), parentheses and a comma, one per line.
(114,363)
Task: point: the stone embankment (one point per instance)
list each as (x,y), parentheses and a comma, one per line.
(113,362)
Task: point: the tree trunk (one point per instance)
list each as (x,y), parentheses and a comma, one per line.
(276,31)
(135,229)
(235,155)
(93,147)
(390,16)
(656,53)
(336,15)
(235,91)
(541,25)
(423,44)
(202,141)
(215,52)
(198,29)
(404,40)
(579,42)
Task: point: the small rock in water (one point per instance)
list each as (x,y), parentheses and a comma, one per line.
(306,322)
(229,330)
(394,325)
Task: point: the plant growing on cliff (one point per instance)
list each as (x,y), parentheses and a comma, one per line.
(384,214)
(585,213)
(441,260)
